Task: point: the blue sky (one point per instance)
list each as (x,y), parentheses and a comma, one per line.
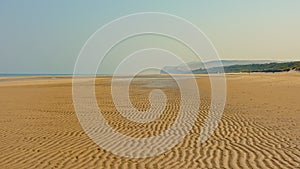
(46,36)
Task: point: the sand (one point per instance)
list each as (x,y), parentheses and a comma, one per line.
(260,127)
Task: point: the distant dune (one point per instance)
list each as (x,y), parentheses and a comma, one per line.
(211,64)
(234,67)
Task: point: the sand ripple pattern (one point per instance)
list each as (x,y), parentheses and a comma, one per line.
(39,129)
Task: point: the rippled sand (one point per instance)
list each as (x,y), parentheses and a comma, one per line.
(260,127)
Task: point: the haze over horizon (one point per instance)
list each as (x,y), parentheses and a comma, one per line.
(46,37)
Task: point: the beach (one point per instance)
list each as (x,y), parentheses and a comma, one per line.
(260,126)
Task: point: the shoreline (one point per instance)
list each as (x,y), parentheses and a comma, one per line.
(58,76)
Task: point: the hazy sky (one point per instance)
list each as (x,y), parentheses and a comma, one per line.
(46,36)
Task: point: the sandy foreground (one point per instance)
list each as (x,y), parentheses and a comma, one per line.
(260,127)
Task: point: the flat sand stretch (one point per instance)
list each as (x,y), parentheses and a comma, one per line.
(260,127)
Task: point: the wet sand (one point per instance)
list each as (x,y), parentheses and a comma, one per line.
(260,127)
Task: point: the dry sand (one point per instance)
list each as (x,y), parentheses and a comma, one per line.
(260,127)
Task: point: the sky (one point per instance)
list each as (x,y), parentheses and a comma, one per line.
(46,36)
